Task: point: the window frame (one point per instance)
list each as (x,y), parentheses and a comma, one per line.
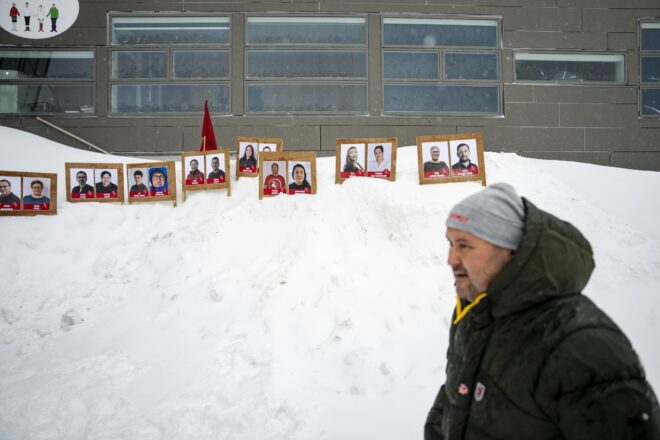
(170,49)
(441,50)
(642,53)
(570,82)
(55,81)
(306,47)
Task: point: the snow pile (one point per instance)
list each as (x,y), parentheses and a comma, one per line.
(301,317)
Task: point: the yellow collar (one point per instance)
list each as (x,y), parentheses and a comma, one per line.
(461,312)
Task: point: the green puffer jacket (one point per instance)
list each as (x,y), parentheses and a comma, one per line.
(538,360)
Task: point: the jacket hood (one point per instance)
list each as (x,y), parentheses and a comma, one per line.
(554,259)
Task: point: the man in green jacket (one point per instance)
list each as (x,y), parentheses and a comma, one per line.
(529,356)
(54,14)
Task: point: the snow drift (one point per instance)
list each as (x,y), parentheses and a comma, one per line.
(307,317)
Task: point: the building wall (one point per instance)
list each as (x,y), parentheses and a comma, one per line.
(588,123)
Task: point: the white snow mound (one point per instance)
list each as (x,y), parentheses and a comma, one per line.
(307,317)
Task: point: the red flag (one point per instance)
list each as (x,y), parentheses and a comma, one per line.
(208,136)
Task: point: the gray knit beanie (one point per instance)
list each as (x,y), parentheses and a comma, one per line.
(495,214)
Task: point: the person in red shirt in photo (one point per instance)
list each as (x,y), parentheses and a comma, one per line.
(8,200)
(464,166)
(274,182)
(195,176)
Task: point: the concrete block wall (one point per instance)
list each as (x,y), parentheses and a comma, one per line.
(588,123)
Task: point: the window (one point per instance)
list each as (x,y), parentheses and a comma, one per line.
(170,30)
(46,81)
(570,67)
(441,65)
(170,64)
(306,65)
(650,69)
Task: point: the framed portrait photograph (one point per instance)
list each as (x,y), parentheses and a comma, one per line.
(435,159)
(107,183)
(193,169)
(11,188)
(451,158)
(300,173)
(36,193)
(94,182)
(204,170)
(217,167)
(247,153)
(81,183)
(137,183)
(351,159)
(465,158)
(26,193)
(159,182)
(274,175)
(381,158)
(292,173)
(153,181)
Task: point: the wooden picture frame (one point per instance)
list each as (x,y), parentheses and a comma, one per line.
(244,166)
(25,180)
(75,192)
(291,162)
(365,163)
(139,192)
(451,158)
(207,182)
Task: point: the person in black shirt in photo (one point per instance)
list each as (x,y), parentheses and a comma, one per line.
(83,187)
(105,186)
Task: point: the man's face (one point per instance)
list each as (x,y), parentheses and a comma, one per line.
(379,155)
(193,165)
(463,153)
(105,179)
(215,164)
(5,189)
(475,262)
(37,189)
(435,154)
(158,179)
(275,168)
(138,179)
(81,178)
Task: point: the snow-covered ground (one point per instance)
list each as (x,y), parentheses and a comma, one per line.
(307,317)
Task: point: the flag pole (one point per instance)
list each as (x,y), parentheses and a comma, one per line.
(204,143)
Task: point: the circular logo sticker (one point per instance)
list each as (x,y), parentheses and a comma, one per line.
(39,19)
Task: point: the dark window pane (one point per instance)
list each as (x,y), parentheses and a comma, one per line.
(418,65)
(569,67)
(306,30)
(139,64)
(306,64)
(471,66)
(165,98)
(201,64)
(439,32)
(34,98)
(650,36)
(170,30)
(313,98)
(650,69)
(42,64)
(651,102)
(441,98)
